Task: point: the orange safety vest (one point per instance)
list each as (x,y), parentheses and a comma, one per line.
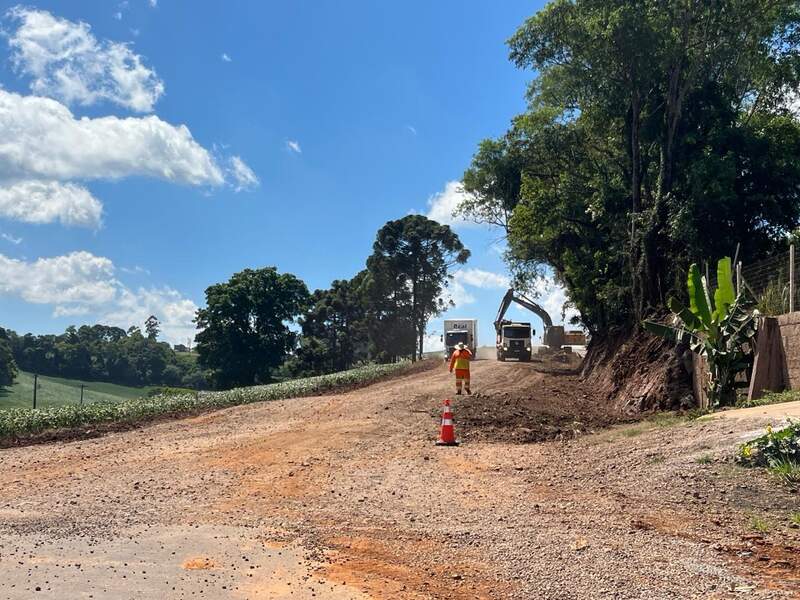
(460,360)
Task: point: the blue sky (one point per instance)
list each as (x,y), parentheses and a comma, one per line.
(161,146)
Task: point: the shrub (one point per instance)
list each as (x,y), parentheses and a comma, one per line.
(777,449)
(19,422)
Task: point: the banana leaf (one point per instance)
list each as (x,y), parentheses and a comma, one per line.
(698,296)
(724,295)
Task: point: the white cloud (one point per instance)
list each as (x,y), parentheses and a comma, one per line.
(552,297)
(50,201)
(482,279)
(81,283)
(294,146)
(412,129)
(243,176)
(65,61)
(11,239)
(118,15)
(43,140)
(153,3)
(174,312)
(226,58)
(442,205)
(79,278)
(477,278)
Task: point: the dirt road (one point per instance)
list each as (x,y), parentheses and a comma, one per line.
(345,497)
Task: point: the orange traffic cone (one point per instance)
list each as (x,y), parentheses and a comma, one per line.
(447,434)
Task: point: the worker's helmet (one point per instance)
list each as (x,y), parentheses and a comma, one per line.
(461,345)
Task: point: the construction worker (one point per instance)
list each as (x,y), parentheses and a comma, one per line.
(460,362)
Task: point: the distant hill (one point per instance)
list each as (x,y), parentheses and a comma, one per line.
(55,391)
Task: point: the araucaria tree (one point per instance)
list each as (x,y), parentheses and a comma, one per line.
(408,269)
(244,333)
(659,133)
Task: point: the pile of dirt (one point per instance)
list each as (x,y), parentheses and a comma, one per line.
(557,406)
(637,372)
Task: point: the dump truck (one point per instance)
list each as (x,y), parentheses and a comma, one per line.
(460,331)
(514,339)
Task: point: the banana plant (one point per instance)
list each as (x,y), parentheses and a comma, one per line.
(720,329)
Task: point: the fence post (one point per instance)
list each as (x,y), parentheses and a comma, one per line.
(35,387)
(791,278)
(82,386)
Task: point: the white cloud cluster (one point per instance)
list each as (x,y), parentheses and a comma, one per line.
(43,140)
(226,58)
(294,146)
(79,278)
(476,278)
(81,283)
(442,205)
(47,153)
(44,147)
(65,61)
(50,201)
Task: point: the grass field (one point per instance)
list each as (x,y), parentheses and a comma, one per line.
(54,391)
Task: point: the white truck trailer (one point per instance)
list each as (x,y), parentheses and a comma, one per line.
(460,331)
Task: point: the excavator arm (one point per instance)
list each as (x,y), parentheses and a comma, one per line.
(524,302)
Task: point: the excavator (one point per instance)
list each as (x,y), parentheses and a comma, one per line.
(514,337)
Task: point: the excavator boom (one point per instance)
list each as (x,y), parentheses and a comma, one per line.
(525,303)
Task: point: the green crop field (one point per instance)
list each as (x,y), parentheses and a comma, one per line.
(54,391)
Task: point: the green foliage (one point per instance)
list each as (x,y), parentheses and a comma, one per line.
(334,329)
(777,449)
(770,398)
(152,327)
(774,300)
(759,524)
(408,271)
(788,471)
(8,367)
(19,422)
(244,333)
(704,459)
(657,133)
(721,330)
(100,353)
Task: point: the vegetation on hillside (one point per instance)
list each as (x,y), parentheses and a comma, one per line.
(21,422)
(56,391)
(657,134)
(104,353)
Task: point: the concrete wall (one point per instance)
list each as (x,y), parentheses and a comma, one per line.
(789,326)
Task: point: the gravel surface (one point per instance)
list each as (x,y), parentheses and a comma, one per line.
(346,497)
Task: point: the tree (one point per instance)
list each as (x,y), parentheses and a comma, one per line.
(244,333)
(651,124)
(409,268)
(8,368)
(152,327)
(334,329)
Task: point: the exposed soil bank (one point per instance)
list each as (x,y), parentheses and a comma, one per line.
(637,372)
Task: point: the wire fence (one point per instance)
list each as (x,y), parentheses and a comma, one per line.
(771,282)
